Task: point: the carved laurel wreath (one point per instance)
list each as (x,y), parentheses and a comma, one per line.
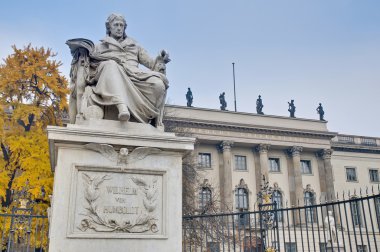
(143,223)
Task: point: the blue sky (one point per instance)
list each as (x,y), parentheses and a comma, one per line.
(311,51)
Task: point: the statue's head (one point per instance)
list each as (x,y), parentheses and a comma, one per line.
(113,17)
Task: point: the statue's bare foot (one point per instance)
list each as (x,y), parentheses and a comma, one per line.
(124,114)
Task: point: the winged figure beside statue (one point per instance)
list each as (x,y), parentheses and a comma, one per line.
(107,82)
(123,157)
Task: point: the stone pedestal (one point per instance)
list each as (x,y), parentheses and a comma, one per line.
(117,187)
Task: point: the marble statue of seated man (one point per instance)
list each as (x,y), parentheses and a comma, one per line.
(113,78)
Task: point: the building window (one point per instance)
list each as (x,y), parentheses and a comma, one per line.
(306,167)
(276,245)
(251,243)
(274,164)
(356,213)
(351,174)
(213,247)
(204,160)
(322,247)
(309,200)
(204,198)
(243,220)
(277,197)
(290,247)
(241,198)
(377,209)
(374,175)
(362,248)
(241,163)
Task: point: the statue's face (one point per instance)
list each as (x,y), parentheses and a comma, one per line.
(117,28)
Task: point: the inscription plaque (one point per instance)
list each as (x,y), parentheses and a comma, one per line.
(110,202)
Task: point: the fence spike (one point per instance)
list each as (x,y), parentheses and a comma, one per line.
(349,194)
(366,190)
(372,190)
(354,192)
(298,202)
(337,196)
(343,195)
(360,191)
(286,203)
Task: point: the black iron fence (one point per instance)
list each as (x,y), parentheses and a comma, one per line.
(342,225)
(21,231)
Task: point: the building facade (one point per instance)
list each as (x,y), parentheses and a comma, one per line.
(304,161)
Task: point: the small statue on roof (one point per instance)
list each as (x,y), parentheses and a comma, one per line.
(189,97)
(259,106)
(292,108)
(321,112)
(222,99)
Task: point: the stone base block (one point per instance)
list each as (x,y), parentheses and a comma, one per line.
(116,191)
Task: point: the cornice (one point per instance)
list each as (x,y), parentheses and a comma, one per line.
(355,148)
(248,128)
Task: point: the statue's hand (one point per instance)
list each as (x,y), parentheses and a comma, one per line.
(161,60)
(164,55)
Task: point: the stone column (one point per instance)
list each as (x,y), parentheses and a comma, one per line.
(295,176)
(295,182)
(226,181)
(329,184)
(329,181)
(322,175)
(262,149)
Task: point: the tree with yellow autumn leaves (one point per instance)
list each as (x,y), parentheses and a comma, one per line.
(32,95)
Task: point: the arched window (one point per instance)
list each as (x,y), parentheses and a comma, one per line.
(277,198)
(241,198)
(204,197)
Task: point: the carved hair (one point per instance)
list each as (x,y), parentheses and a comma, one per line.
(112,18)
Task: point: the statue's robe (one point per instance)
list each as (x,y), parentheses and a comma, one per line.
(119,80)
